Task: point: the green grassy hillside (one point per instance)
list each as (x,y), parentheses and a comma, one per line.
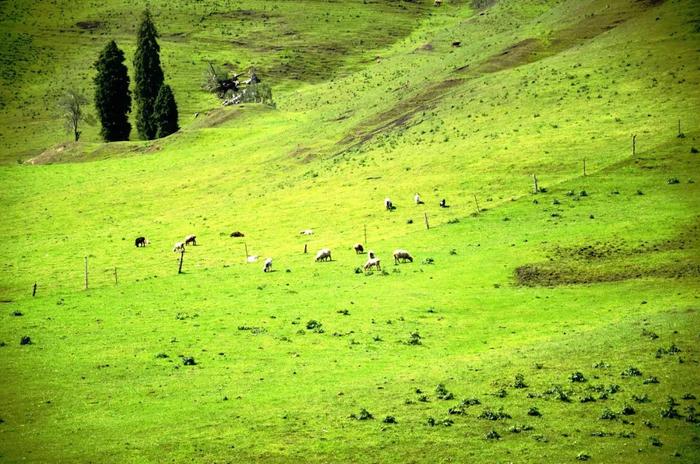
(505,302)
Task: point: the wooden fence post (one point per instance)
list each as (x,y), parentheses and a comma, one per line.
(584,167)
(86,273)
(634,144)
(34,290)
(246,251)
(116,281)
(182,257)
(306,248)
(477,204)
(427,224)
(535,187)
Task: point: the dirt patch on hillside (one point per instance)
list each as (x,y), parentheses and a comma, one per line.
(398,116)
(523,52)
(89,25)
(553,276)
(614,261)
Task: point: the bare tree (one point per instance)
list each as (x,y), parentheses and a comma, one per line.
(71,106)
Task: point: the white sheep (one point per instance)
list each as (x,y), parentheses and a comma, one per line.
(179,246)
(267,267)
(388,204)
(417,199)
(372,262)
(191,240)
(252,258)
(307,232)
(402,255)
(324,255)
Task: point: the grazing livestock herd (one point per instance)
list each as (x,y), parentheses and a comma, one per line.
(324,254)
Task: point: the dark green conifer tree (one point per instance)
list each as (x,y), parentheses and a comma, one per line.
(112,95)
(165,112)
(148,77)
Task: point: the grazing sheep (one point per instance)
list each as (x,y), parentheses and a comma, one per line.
(237,234)
(324,255)
(267,267)
(252,258)
(388,204)
(443,203)
(179,246)
(370,254)
(190,240)
(417,199)
(372,262)
(141,242)
(307,232)
(402,255)
(358,248)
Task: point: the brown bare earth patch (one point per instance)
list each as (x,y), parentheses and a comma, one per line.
(523,52)
(614,261)
(89,25)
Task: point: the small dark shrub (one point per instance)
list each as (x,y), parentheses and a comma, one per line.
(627,410)
(641,399)
(519,381)
(502,393)
(442,393)
(693,150)
(670,411)
(688,396)
(655,442)
(649,334)
(389,420)
(25,340)
(673,181)
(17,313)
(313,325)
(493,415)
(577,377)
(651,379)
(631,372)
(188,361)
(582,456)
(431,421)
(608,415)
(162,356)
(587,399)
(534,412)
(469,402)
(364,415)
(414,339)
(601,365)
(493,435)
(583,193)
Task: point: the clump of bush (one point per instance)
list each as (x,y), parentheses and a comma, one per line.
(631,372)
(582,456)
(25,340)
(315,326)
(363,415)
(670,411)
(442,393)
(492,435)
(188,361)
(577,377)
(519,381)
(650,380)
(414,339)
(493,415)
(389,420)
(627,410)
(534,412)
(608,414)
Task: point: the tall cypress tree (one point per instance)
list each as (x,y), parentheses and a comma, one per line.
(165,112)
(112,95)
(148,76)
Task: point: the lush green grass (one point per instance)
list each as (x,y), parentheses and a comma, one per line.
(92,386)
